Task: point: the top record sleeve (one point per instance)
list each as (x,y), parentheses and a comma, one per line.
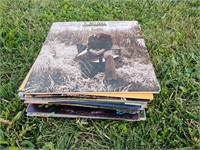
(106,56)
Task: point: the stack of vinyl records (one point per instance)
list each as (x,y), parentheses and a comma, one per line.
(96,70)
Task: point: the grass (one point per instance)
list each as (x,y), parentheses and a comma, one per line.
(171,31)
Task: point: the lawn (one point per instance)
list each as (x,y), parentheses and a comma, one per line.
(171,31)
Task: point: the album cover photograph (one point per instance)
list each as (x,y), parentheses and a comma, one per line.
(93,57)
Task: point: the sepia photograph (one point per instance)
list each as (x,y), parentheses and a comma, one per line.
(78,57)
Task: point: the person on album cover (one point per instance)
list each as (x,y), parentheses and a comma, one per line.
(99,47)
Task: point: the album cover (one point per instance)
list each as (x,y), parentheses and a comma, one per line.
(141,96)
(82,112)
(96,100)
(108,56)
